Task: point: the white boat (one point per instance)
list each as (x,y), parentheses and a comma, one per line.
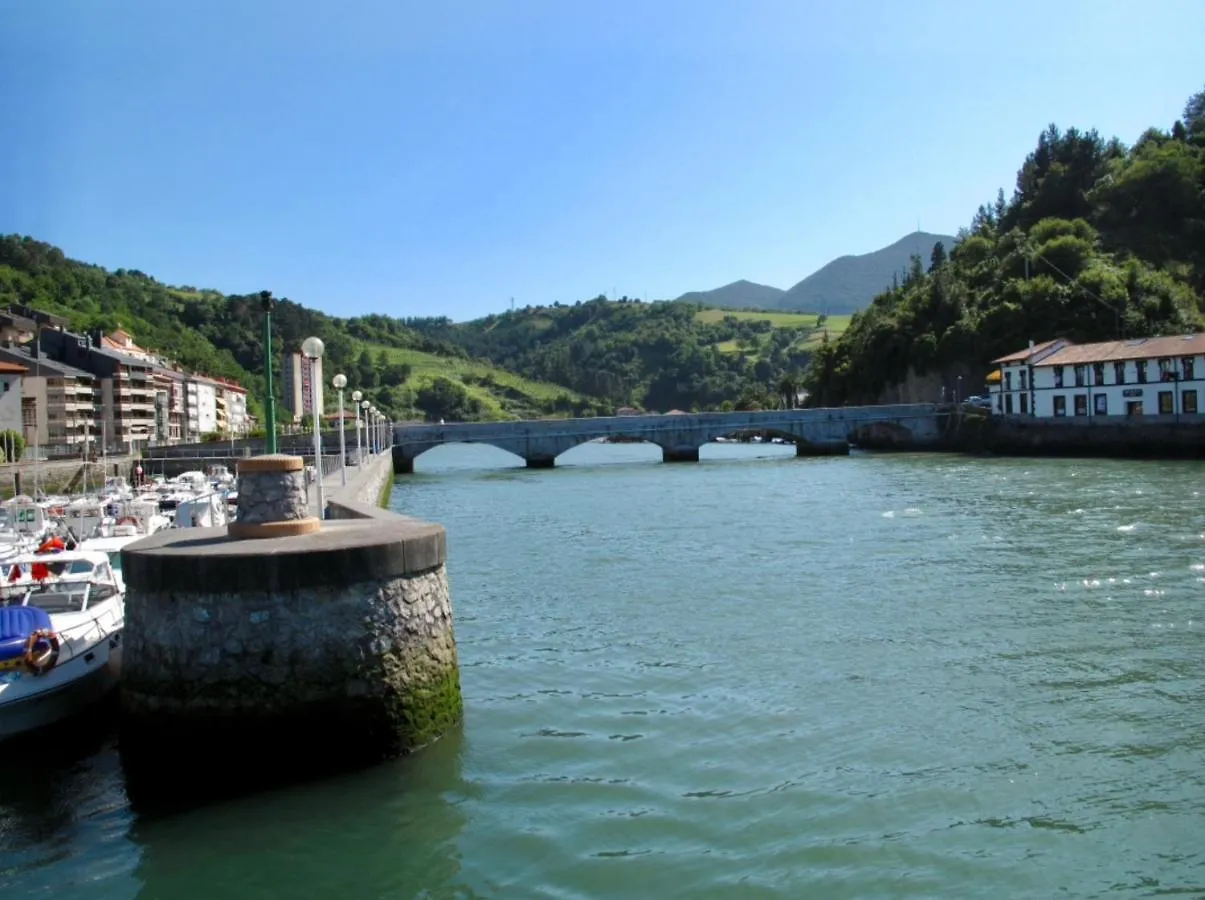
(205,511)
(60,638)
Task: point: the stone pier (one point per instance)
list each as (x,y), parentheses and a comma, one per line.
(261,659)
(679,454)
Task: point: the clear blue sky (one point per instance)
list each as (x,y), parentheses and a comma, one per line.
(438,158)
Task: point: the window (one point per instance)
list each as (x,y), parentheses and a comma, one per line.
(1079,376)
(1008,381)
(1166,371)
(1166,403)
(1022,379)
(1098,373)
(1081,404)
(1060,405)
(1024,404)
(1058,376)
(1133,407)
(1100,403)
(1008,404)
(1188,402)
(1140,367)
(1119,373)
(1186,364)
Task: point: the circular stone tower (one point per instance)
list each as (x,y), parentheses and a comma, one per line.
(282,647)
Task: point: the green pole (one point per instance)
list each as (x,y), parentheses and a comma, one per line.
(265,299)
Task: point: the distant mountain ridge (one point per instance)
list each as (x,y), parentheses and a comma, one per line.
(738,295)
(845,285)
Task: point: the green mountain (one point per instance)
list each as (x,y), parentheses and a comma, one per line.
(402,372)
(738,295)
(658,356)
(1099,241)
(849,283)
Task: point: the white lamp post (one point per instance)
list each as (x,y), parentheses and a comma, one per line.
(311,349)
(340,382)
(372,412)
(367,435)
(355,402)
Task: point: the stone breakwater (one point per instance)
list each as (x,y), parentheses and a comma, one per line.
(251,662)
(379,655)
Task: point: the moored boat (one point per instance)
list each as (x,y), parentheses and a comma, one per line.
(61,622)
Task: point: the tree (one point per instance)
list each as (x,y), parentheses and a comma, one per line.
(938,257)
(1194,113)
(445,399)
(12,446)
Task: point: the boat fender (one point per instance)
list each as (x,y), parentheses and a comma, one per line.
(41,651)
(127,520)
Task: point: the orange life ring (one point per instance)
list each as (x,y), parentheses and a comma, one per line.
(127,520)
(41,651)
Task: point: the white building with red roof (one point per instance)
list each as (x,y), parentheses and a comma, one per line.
(1138,377)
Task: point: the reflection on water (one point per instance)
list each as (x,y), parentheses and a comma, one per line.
(386,832)
(775,677)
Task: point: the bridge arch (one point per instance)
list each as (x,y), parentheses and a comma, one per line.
(808,441)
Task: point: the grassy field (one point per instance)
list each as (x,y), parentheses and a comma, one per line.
(777,319)
(835,325)
(503,394)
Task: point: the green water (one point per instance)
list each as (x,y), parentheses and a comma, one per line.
(875,676)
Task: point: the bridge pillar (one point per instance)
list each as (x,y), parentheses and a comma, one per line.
(822,448)
(402,464)
(540,462)
(679,454)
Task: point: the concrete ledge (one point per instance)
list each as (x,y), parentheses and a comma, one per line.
(367,490)
(379,547)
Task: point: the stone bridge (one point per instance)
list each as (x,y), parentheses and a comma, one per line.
(813,432)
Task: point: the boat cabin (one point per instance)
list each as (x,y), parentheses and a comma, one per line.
(58,582)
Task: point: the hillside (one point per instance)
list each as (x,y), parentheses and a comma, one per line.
(738,295)
(849,283)
(403,373)
(657,356)
(1098,242)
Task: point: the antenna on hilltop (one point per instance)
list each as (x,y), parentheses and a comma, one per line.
(512,304)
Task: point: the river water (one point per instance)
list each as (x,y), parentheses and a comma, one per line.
(756,676)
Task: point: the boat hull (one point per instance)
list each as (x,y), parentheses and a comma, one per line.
(28,703)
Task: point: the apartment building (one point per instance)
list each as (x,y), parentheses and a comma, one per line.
(58,401)
(125,393)
(298,395)
(201,407)
(11,375)
(170,419)
(232,406)
(106,387)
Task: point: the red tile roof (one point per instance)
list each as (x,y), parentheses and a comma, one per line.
(12,368)
(1137,348)
(1022,355)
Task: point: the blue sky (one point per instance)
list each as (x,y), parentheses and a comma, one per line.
(440,158)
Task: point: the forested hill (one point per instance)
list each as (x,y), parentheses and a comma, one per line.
(658,356)
(1098,241)
(587,358)
(402,372)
